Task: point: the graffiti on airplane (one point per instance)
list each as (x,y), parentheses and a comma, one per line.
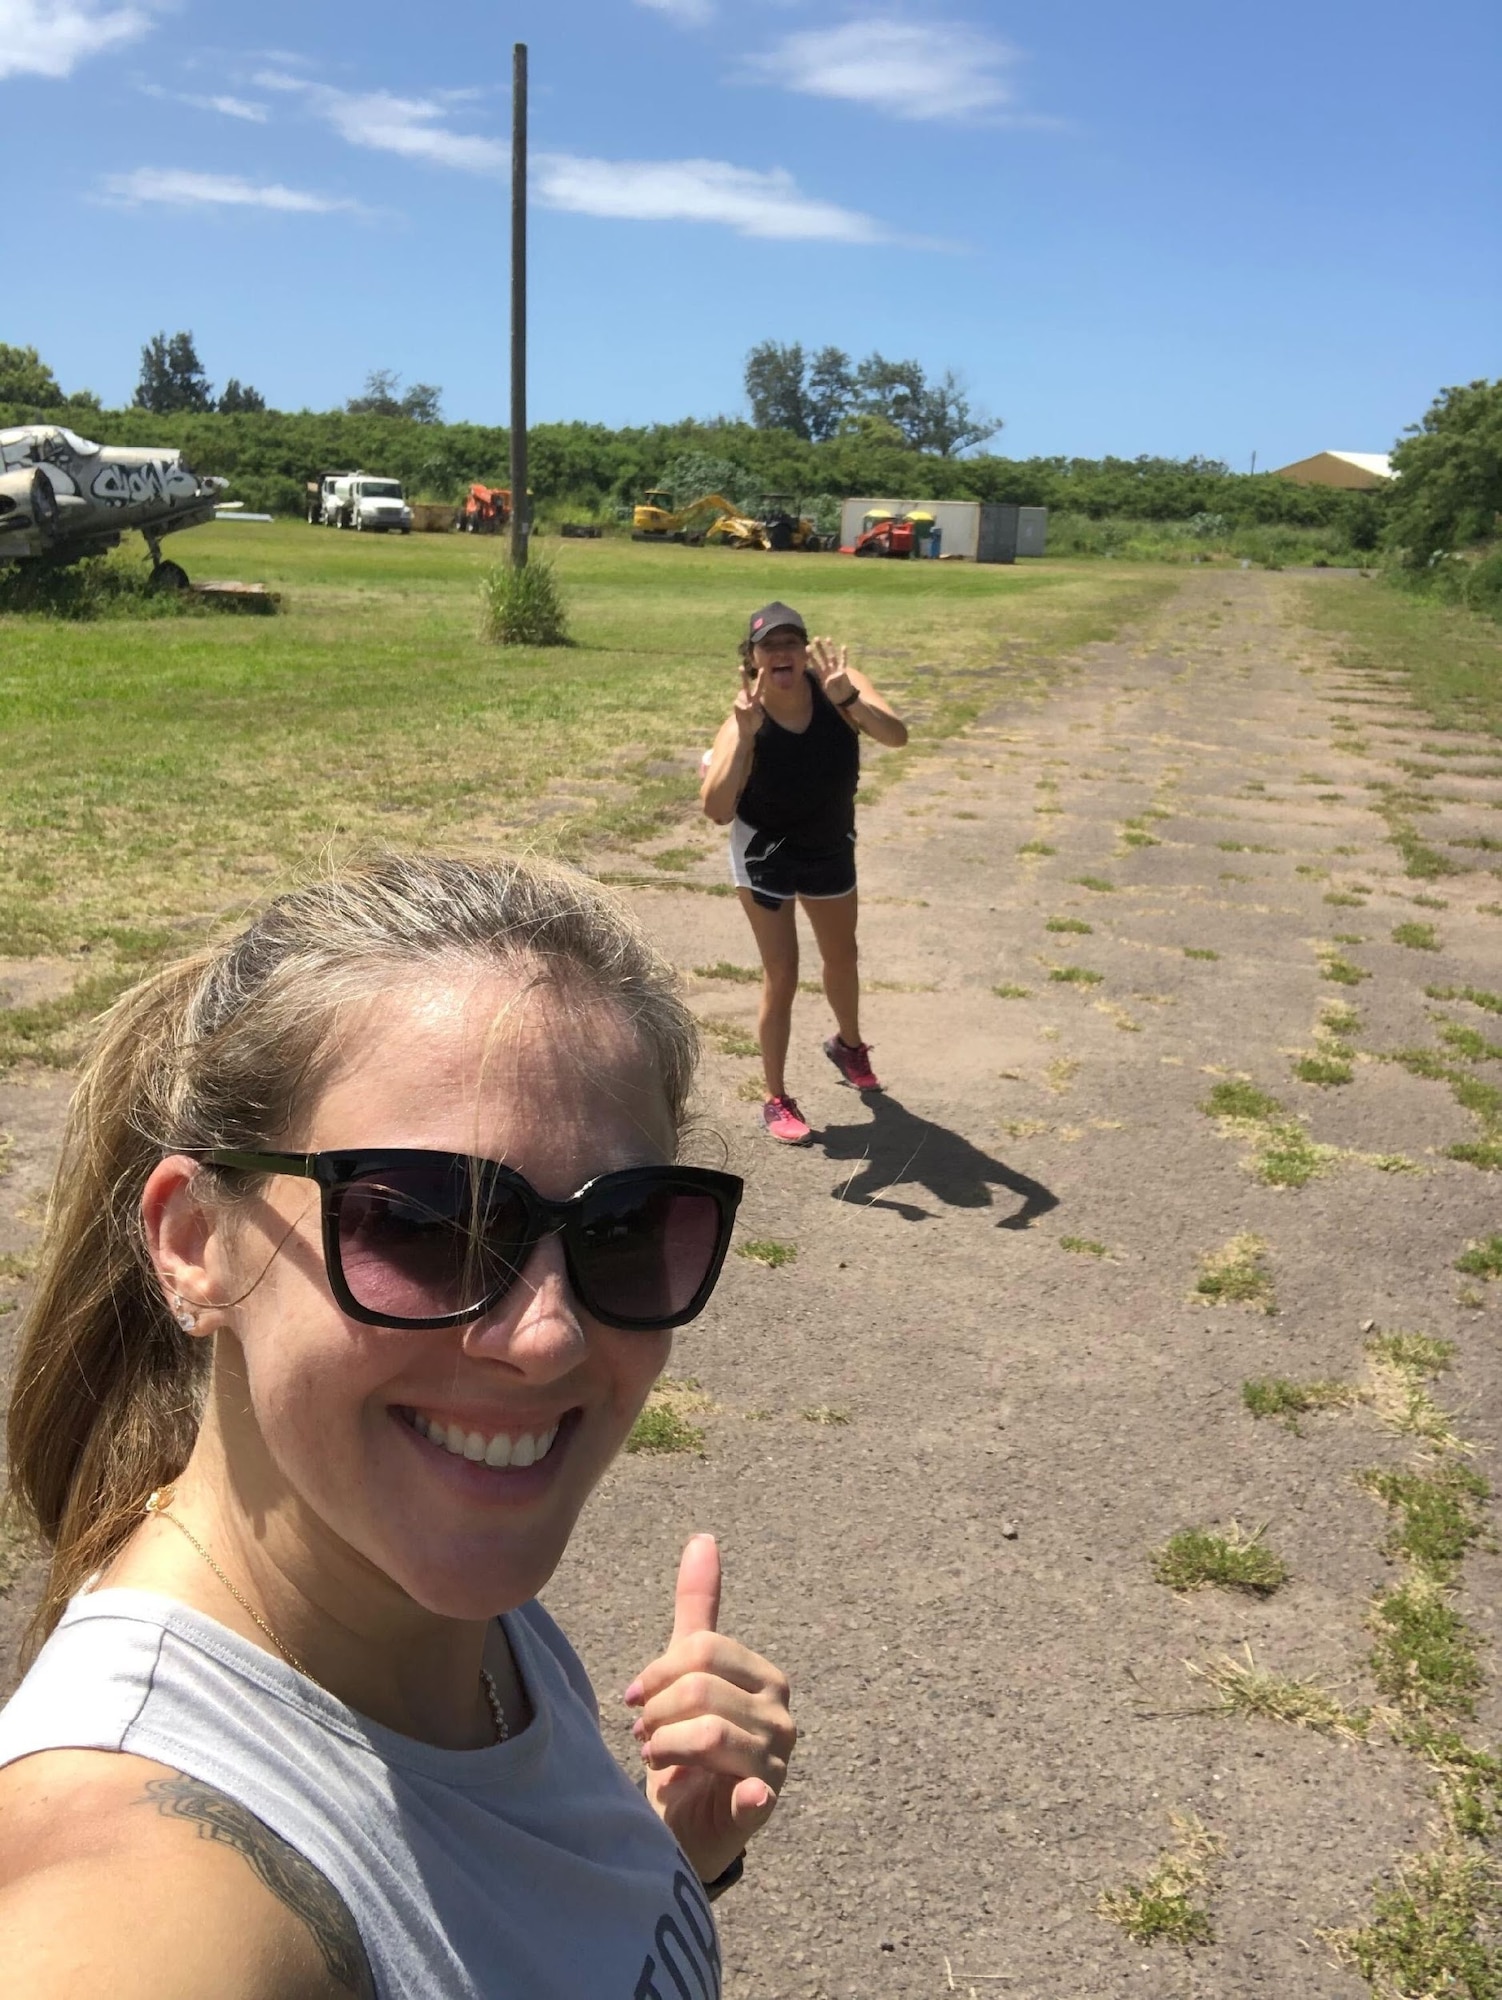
(140,485)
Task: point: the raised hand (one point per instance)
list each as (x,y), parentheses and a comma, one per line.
(748,711)
(714,1728)
(830,666)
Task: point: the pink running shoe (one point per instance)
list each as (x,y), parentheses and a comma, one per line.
(853,1064)
(785,1121)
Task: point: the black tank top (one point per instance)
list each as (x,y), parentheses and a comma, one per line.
(803,784)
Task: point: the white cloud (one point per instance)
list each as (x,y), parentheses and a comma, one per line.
(410,126)
(769,205)
(690,12)
(179,188)
(753,204)
(51,37)
(232,107)
(227,107)
(918,69)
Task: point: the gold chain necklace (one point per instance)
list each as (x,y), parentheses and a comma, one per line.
(159,1502)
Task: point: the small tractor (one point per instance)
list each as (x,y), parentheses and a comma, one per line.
(775,526)
(734,531)
(886,534)
(783,527)
(486,510)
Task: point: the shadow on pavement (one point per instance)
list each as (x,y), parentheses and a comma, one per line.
(897,1148)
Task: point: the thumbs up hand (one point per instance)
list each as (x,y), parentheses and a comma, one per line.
(714,1727)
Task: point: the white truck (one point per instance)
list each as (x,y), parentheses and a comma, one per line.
(369,505)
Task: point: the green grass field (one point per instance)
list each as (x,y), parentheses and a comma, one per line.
(1452,657)
(157,775)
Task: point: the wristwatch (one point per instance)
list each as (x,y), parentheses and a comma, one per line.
(854,695)
(727,1879)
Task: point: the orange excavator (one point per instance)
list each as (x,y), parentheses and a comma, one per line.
(486,510)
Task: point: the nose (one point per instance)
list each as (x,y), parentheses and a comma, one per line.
(535,1330)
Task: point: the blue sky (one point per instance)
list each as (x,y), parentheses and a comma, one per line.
(1166,228)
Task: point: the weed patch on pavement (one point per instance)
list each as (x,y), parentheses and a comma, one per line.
(773,1255)
(729,1037)
(1481,1259)
(1162,1907)
(1324,1069)
(666,1425)
(1477,996)
(1417,937)
(1237,1275)
(1276,1396)
(1248,1690)
(1199,1558)
(1283,1154)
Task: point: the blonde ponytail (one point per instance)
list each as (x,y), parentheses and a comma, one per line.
(105,1400)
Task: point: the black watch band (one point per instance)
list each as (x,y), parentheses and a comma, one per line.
(726,1880)
(853,696)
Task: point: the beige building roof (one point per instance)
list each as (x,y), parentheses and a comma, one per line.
(1351,469)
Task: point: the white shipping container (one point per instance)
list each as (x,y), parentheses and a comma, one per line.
(979,531)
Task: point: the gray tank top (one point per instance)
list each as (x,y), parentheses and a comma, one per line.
(531,1871)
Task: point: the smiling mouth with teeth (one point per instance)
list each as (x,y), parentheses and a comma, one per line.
(500,1450)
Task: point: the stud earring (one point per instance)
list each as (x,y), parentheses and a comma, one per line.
(185,1318)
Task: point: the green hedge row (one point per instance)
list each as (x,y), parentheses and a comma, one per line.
(589,470)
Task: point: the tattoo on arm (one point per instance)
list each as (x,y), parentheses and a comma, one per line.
(294,1881)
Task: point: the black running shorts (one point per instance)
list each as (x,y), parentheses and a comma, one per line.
(776,867)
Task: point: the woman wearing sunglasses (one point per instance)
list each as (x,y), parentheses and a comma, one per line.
(366,1246)
(782,774)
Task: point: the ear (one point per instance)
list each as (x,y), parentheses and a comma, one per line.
(185,1238)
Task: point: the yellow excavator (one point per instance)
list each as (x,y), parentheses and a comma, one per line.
(655,519)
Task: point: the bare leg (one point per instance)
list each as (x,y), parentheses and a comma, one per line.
(833,924)
(776,934)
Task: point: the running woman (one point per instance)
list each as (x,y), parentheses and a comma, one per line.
(782,774)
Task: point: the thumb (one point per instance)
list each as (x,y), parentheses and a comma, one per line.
(752,1804)
(696,1604)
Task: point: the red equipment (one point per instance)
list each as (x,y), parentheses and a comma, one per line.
(886,537)
(486,510)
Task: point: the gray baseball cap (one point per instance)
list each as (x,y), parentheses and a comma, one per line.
(770,618)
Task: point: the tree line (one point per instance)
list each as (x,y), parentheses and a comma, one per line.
(174,380)
(584,471)
(1447,499)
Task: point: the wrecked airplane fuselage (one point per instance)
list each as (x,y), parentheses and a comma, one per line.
(63,497)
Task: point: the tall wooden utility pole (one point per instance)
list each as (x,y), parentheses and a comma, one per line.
(521,524)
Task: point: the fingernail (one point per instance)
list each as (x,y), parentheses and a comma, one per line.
(633,1695)
(639,1730)
(646,1755)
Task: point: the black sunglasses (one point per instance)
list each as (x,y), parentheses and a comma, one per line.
(418,1239)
